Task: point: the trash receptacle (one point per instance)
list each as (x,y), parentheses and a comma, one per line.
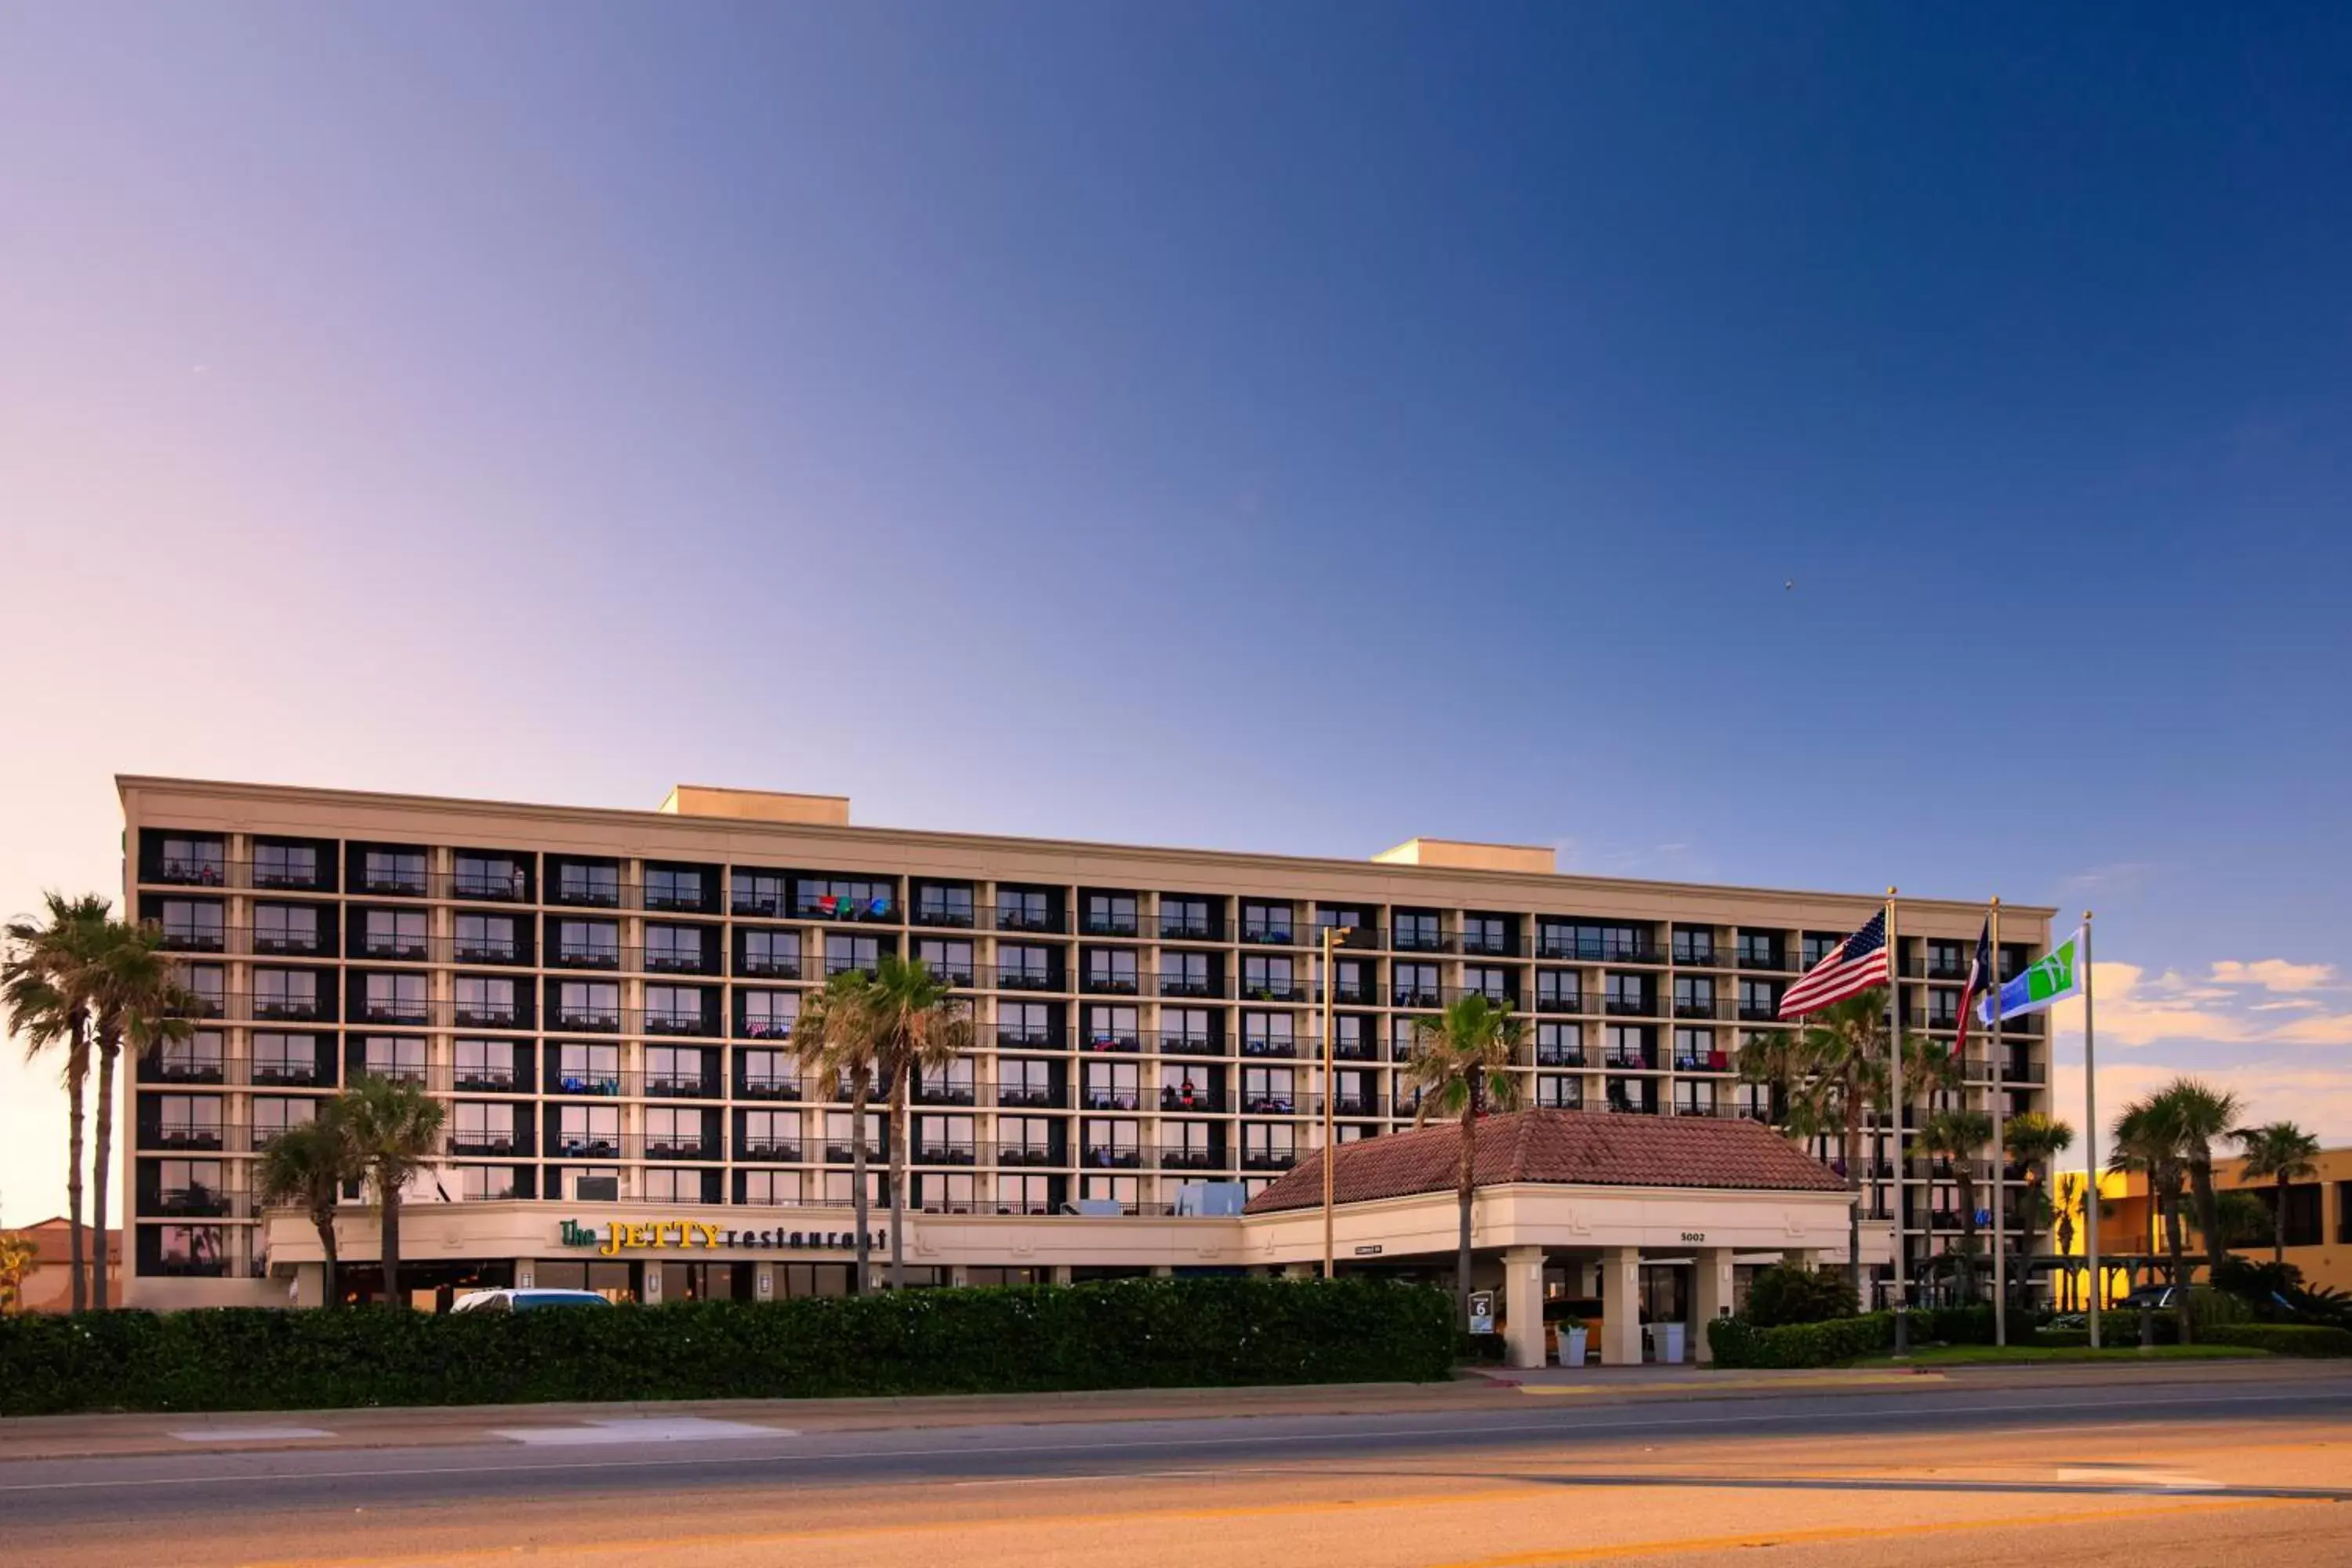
(1670,1341)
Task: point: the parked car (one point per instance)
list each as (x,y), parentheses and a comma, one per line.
(526,1300)
(2158,1297)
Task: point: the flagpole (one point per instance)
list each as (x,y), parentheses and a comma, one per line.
(1999,1153)
(1894,1098)
(2090,1137)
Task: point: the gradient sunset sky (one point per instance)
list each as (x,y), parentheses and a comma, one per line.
(1286,427)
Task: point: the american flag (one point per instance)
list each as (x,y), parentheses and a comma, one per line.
(1858,963)
(1980,976)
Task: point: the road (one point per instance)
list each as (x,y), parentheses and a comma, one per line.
(2253,1467)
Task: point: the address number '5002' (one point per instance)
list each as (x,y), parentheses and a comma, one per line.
(1694,1235)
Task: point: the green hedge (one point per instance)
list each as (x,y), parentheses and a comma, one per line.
(2281,1339)
(1739,1343)
(1139,1333)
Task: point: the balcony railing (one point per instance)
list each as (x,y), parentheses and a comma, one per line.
(1192,985)
(1103,983)
(1027,980)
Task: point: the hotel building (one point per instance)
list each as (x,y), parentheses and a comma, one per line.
(606,1000)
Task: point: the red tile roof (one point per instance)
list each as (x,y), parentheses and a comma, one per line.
(1578,1148)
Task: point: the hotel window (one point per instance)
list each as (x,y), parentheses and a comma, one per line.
(587,1004)
(950,962)
(485,1183)
(1191,1142)
(1486,933)
(769,1015)
(1695,1051)
(756,892)
(1119,1190)
(1266,922)
(1760,1000)
(940,1140)
(193,924)
(1351,1039)
(1181,1089)
(1947,960)
(770,1073)
(1354,1093)
(1111,914)
(390,998)
(1023,1080)
(1113,1086)
(677,1070)
(1183,1027)
(1184,974)
(1693,996)
(673,1009)
(587,883)
(1023,1024)
(294,993)
(840,1184)
(1406,1094)
(1559,991)
(843,898)
(190,1185)
(1560,1092)
(490,877)
(1023,909)
(1414,985)
(772,953)
(479,1127)
(285,866)
(1624,1047)
(673,947)
(1760,949)
(1627,993)
(393,1056)
(1752,1100)
(1342,916)
(665,1185)
(1111,969)
(1403,1040)
(284,1058)
(588,1069)
(673,888)
(1269,979)
(1023,968)
(1269,1034)
(1269,1092)
(1693,946)
(589,943)
(1115,1144)
(285,927)
(394,933)
(486,939)
(1943,1008)
(1415,931)
(1559,1045)
(209,983)
(844,953)
(775,1187)
(670,1130)
(946,1192)
(594,1129)
(1494,984)
(1112,1027)
(591,1184)
(1024,1140)
(273,1115)
(1183,917)
(194,1249)
(1695,1097)
(393,872)
(484,1064)
(1354,977)
(197,1056)
(1817,945)
(940,904)
(202,861)
(772,1135)
(838,1127)
(946,1083)
(483,1000)
(190,1120)
(1268,1143)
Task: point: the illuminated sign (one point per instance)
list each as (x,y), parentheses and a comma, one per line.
(679,1235)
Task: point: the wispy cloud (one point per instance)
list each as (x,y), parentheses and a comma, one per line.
(2273,974)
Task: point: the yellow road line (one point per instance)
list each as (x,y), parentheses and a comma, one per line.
(1852,1380)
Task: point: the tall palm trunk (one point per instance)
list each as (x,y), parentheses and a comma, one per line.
(1852,1150)
(1468,1194)
(330,1286)
(1964,1177)
(2278,1223)
(391,1196)
(74,1086)
(2209,1214)
(107,1049)
(2177,1248)
(861,1086)
(895,1159)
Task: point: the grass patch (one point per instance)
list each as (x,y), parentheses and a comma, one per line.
(2002,1355)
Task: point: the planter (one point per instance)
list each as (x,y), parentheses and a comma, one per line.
(1571,1346)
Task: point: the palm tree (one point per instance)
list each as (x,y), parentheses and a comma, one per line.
(394,1127)
(2284,1152)
(2147,1138)
(135,996)
(307,1164)
(2200,1113)
(1957,1135)
(44,984)
(2032,1139)
(1828,1072)
(1461,1062)
(835,1038)
(917,1025)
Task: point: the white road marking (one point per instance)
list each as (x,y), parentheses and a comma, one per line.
(2127,1474)
(250,1434)
(675,1429)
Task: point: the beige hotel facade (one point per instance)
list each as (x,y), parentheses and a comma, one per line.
(606,999)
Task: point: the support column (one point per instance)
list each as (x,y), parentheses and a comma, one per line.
(1801,1257)
(1163,1271)
(1523,1325)
(1710,1296)
(1301,1270)
(1061,1274)
(309,1285)
(1620,1306)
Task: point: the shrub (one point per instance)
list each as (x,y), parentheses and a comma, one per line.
(1738,1342)
(2283,1338)
(1135,1333)
(1782,1295)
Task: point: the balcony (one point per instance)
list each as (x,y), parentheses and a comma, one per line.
(584,955)
(1118,1100)
(1099,1040)
(1406,940)
(489,949)
(1173,928)
(946,1152)
(1359,1105)
(392,884)
(1269,1159)
(1273,990)
(1630,1007)
(587,1081)
(584,889)
(1094,926)
(190,939)
(1027,980)
(1027,1098)
(192,1202)
(488,1080)
(166,1068)
(776,1151)
(1104,1157)
(1709,1061)
(1774,963)
(287,944)
(1268,936)
(1559,1001)
(1752,1012)
(285,1074)
(478,1014)
(188,1135)
(945,1094)
(200,872)
(677,1021)
(1185,985)
(495,884)
(1415,995)
(1046,924)
(1357,1050)
(1273,1045)
(1270,1104)
(486,1140)
(942,916)
(1183,1045)
(684,1085)
(393,949)
(1027,1039)
(768,1086)
(769,1028)
(1559,1057)
(771,968)
(1704,1008)
(1694,956)
(1104,984)
(1192,1159)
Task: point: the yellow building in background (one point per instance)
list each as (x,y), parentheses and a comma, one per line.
(2318,1225)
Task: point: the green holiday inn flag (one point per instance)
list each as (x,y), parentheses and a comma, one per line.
(2053,977)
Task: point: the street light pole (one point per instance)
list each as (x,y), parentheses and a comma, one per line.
(1330,983)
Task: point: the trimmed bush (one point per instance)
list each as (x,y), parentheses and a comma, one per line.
(1782,1295)
(2282,1339)
(1739,1343)
(1135,1333)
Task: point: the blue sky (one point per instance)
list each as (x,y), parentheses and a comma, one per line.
(1291,428)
